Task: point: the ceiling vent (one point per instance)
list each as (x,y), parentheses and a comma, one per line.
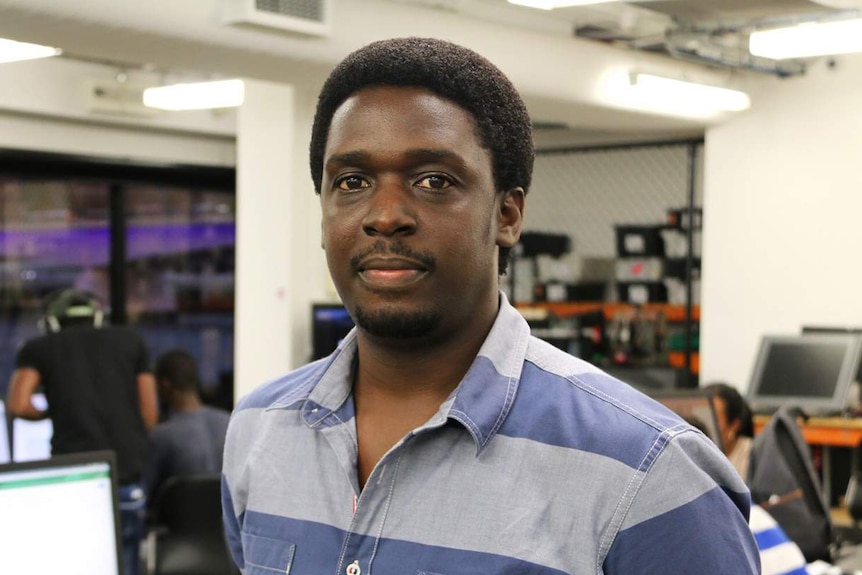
(311,17)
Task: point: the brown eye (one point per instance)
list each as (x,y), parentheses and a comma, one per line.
(434,182)
(351,183)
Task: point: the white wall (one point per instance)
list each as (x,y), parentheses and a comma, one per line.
(782,217)
(265,275)
(310,277)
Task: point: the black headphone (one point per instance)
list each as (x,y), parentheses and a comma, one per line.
(68,304)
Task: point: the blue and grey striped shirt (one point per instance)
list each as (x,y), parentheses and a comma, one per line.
(538,463)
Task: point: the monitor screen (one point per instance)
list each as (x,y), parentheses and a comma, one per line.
(60,516)
(31,440)
(815,329)
(329,324)
(5,455)
(694,406)
(811,371)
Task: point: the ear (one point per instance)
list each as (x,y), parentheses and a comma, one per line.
(735,426)
(510,217)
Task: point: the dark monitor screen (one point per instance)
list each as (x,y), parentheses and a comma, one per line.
(60,515)
(696,407)
(815,329)
(812,371)
(330,323)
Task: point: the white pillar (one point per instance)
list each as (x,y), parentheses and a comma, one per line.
(265,179)
(308,265)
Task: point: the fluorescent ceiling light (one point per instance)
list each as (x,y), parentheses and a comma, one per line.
(808,40)
(674,97)
(12,51)
(197,96)
(551,4)
(678,92)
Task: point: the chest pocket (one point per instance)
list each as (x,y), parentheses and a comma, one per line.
(264,555)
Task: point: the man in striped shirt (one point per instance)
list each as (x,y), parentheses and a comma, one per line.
(441,438)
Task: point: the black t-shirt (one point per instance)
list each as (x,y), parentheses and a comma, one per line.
(89,377)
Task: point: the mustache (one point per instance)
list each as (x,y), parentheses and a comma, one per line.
(398,248)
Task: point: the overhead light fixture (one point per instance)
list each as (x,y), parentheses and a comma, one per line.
(13,51)
(196,96)
(667,96)
(681,93)
(808,40)
(551,4)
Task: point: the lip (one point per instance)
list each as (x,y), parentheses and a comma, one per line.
(390,272)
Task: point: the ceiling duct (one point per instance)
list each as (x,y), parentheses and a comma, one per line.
(734,12)
(311,17)
(715,33)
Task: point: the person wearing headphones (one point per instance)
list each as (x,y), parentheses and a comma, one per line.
(100,392)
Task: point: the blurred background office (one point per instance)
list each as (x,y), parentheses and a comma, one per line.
(161,246)
(663,243)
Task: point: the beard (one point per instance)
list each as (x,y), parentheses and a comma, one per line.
(392,324)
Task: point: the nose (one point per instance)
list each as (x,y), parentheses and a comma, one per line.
(391,210)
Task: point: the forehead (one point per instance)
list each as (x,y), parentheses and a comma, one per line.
(378,113)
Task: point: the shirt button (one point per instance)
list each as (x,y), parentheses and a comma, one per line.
(353,569)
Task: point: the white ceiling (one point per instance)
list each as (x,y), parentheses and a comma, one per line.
(556,71)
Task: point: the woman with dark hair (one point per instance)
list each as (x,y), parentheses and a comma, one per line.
(735,423)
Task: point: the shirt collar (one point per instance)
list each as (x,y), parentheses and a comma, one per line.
(481,401)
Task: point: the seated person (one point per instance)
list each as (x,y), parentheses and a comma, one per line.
(735,424)
(191,440)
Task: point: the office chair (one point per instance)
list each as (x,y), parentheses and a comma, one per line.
(187,536)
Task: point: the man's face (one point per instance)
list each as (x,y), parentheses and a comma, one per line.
(411,218)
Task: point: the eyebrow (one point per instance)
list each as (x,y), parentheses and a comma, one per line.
(416,155)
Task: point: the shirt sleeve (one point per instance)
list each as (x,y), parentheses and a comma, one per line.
(27,357)
(143,362)
(688,513)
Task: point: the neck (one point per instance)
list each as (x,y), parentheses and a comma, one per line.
(429,367)
(182,402)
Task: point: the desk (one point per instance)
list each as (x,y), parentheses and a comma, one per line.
(826,432)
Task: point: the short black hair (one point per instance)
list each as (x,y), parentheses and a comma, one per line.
(451,71)
(179,368)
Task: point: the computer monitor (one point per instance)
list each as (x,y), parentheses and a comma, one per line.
(31,440)
(811,371)
(329,324)
(5,446)
(695,406)
(817,329)
(60,516)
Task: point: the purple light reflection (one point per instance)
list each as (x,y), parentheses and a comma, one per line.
(90,246)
